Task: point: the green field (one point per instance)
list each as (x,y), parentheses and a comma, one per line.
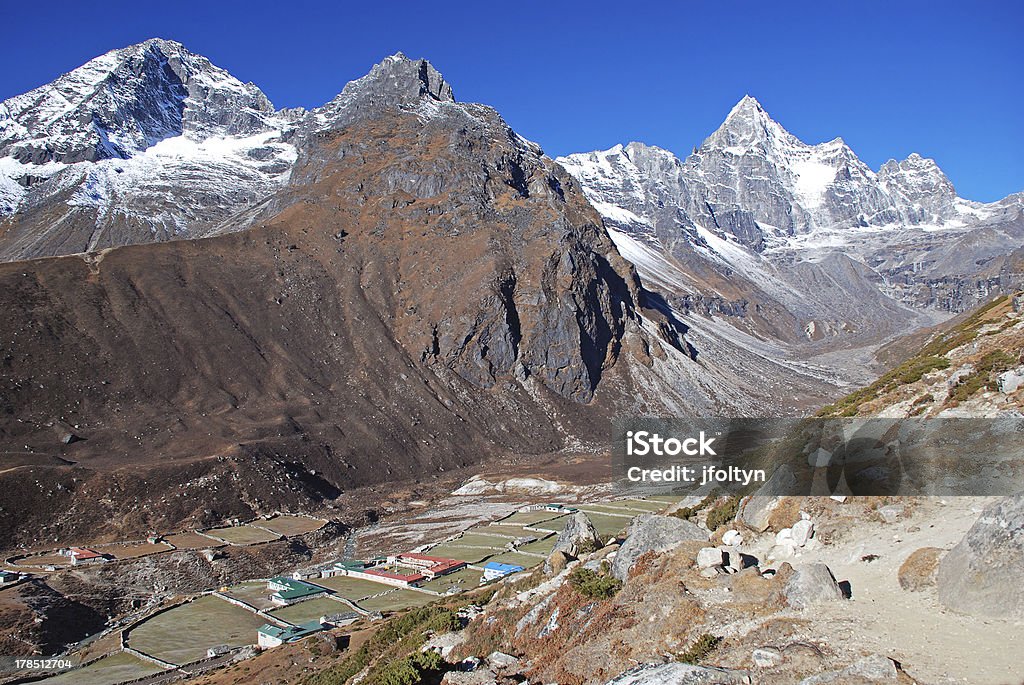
(398,599)
(288,525)
(191,541)
(555,525)
(523,560)
(470,555)
(311,609)
(254,593)
(466,579)
(606,525)
(116,668)
(242,535)
(183,634)
(540,546)
(351,588)
(529,518)
(474,540)
(609,508)
(510,530)
(649,506)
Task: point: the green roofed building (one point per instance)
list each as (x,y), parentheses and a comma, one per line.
(273,636)
(287,591)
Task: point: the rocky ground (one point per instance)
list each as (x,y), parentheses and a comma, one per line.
(836,602)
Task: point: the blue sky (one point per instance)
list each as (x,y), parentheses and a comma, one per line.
(940,78)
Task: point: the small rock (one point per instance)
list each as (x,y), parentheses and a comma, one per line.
(713,572)
(891,513)
(811,584)
(732,538)
(801,532)
(918,571)
(784,537)
(710,556)
(838,498)
(766,657)
(1011,381)
(555,563)
(679,674)
(481,676)
(501,662)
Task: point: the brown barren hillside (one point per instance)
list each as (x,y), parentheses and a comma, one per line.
(429,291)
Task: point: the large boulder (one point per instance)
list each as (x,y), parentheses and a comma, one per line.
(811,584)
(755,511)
(578,537)
(653,534)
(982,574)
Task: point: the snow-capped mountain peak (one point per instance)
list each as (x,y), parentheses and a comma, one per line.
(126,101)
(748,127)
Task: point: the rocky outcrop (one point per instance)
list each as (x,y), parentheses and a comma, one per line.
(680,674)
(981,575)
(579,536)
(653,534)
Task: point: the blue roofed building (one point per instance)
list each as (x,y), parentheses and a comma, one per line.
(494,570)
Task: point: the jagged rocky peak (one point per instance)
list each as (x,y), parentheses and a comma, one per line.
(919,180)
(747,126)
(394,81)
(127,100)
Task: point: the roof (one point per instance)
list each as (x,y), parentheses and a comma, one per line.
(508,568)
(291,632)
(407,577)
(296,588)
(85,553)
(423,557)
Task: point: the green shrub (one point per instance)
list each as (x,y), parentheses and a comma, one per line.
(592,584)
(983,376)
(723,513)
(687,513)
(702,646)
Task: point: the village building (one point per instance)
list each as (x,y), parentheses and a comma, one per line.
(494,570)
(285,591)
(402,570)
(84,555)
(8,576)
(274,636)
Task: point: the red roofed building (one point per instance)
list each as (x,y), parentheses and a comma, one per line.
(432,567)
(84,555)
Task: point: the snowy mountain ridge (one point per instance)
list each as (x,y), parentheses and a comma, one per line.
(152,142)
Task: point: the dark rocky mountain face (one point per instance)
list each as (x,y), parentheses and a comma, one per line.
(428,291)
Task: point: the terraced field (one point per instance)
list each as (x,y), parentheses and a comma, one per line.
(523,560)
(351,588)
(466,579)
(397,599)
(310,610)
(470,555)
(243,535)
(289,525)
(183,634)
(254,593)
(116,668)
